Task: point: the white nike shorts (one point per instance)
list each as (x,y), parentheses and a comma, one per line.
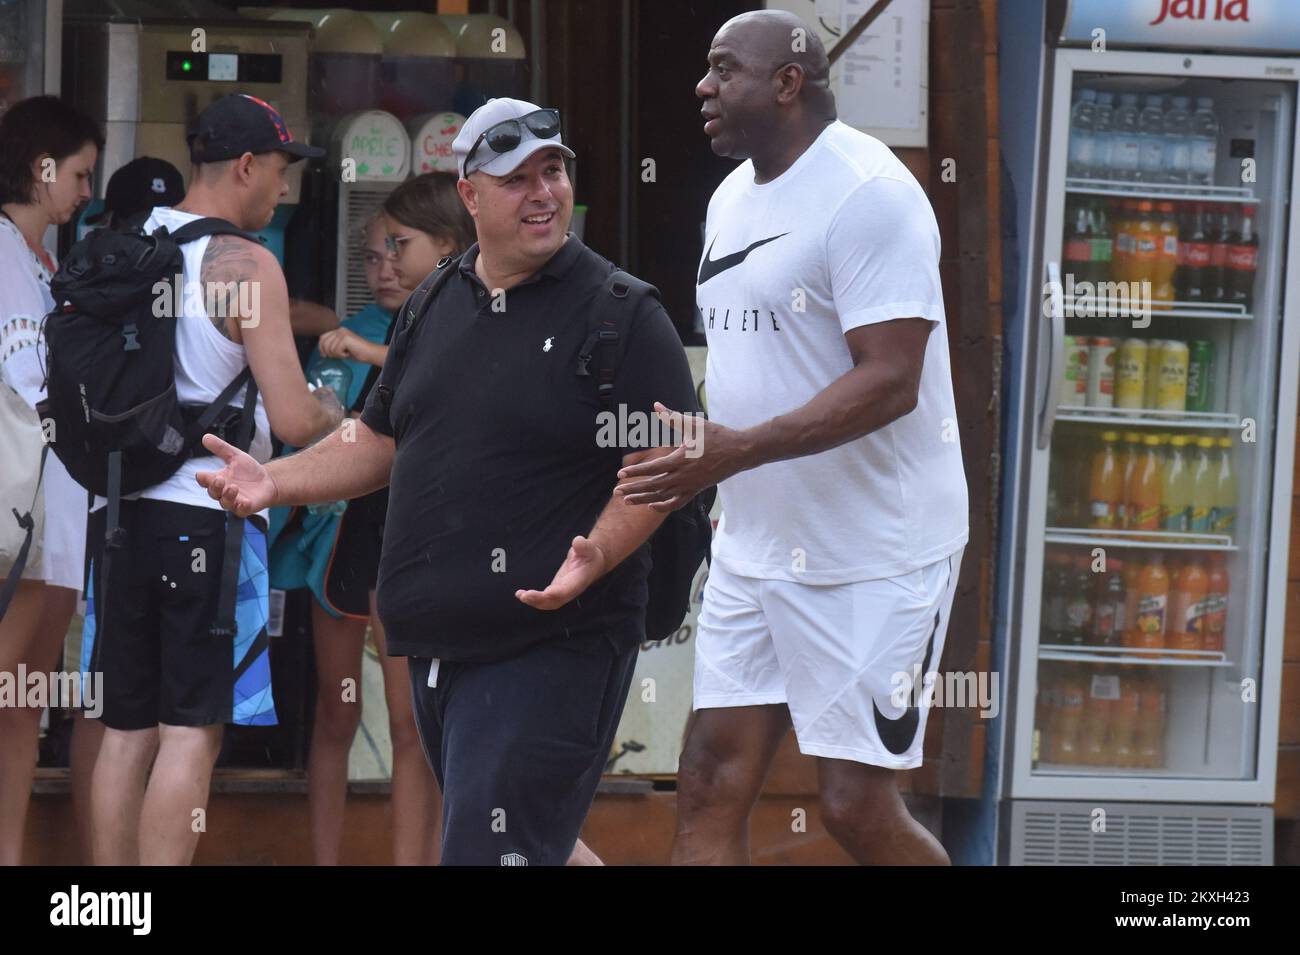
(833,654)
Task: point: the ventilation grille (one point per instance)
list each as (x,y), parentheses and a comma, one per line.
(357,202)
(1061,833)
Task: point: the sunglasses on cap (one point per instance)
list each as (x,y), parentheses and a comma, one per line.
(509,133)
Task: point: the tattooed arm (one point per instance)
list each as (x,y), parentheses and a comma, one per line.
(247,302)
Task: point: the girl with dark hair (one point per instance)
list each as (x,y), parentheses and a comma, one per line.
(334,550)
(48,151)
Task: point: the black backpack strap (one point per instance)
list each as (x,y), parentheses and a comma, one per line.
(28,524)
(210,225)
(212,411)
(416,305)
(604,334)
(224,624)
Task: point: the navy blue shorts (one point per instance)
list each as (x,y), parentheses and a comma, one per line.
(519,745)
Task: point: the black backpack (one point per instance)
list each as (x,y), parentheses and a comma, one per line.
(682,542)
(110,347)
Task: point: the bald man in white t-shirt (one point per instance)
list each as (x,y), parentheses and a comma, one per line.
(833,439)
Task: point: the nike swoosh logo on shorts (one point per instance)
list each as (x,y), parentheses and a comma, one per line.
(711,266)
(898,734)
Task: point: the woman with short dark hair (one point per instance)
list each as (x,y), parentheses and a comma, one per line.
(48,151)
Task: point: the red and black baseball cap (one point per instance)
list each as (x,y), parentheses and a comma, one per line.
(238,124)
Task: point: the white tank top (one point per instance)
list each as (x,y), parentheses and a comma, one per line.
(206,361)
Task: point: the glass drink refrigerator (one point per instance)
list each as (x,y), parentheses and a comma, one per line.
(1156,417)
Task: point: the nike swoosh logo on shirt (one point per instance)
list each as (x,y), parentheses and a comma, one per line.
(711,266)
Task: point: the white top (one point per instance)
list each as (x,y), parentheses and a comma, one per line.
(24,302)
(843,238)
(206,361)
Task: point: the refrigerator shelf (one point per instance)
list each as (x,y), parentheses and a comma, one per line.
(1087,307)
(1084,769)
(1147,417)
(1130,655)
(1165,540)
(1160,190)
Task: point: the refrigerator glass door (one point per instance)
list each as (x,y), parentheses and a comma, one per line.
(1151,492)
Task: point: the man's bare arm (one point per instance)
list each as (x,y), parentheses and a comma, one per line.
(243,281)
(881,387)
(350,461)
(620,530)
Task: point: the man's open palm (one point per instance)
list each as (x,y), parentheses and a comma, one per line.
(581,568)
(243,486)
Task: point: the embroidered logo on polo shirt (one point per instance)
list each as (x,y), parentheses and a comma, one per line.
(546,346)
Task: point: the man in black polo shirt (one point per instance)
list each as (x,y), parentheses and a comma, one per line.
(498,477)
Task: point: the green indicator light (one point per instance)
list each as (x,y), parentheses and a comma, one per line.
(186,66)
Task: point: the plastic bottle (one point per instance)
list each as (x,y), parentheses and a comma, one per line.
(1078,604)
(1151,722)
(1080,161)
(1178,140)
(1145,490)
(1153,604)
(1151,141)
(1103,122)
(1125,139)
(1098,713)
(1187,607)
(1216,604)
(1106,488)
(1122,748)
(1224,518)
(1165,267)
(1146,245)
(1204,142)
(1121,224)
(1055,584)
(1204,482)
(1108,609)
(1176,498)
(1128,461)
(1069,715)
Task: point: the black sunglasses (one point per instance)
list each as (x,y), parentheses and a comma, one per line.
(509,133)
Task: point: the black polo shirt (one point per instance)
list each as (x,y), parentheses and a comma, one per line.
(498,464)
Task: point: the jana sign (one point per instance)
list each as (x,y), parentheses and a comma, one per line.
(1241,24)
(376,142)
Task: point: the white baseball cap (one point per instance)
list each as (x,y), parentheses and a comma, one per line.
(485,159)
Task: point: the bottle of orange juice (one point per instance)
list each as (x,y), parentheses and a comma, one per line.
(1188,606)
(1106,489)
(1121,260)
(1153,604)
(1098,712)
(1124,721)
(1146,244)
(1144,489)
(1216,616)
(1127,461)
(1165,264)
(1151,722)
(1069,715)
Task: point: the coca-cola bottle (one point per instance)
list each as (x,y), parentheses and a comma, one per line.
(1078,244)
(1108,613)
(1216,280)
(1194,251)
(1078,604)
(1243,256)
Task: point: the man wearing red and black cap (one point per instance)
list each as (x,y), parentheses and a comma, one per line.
(169,684)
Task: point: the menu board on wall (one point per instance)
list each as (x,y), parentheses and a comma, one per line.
(881,82)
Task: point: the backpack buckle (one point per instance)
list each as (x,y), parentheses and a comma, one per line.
(129,333)
(607,335)
(115,539)
(25,521)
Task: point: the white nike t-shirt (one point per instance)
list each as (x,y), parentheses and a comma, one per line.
(843,238)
